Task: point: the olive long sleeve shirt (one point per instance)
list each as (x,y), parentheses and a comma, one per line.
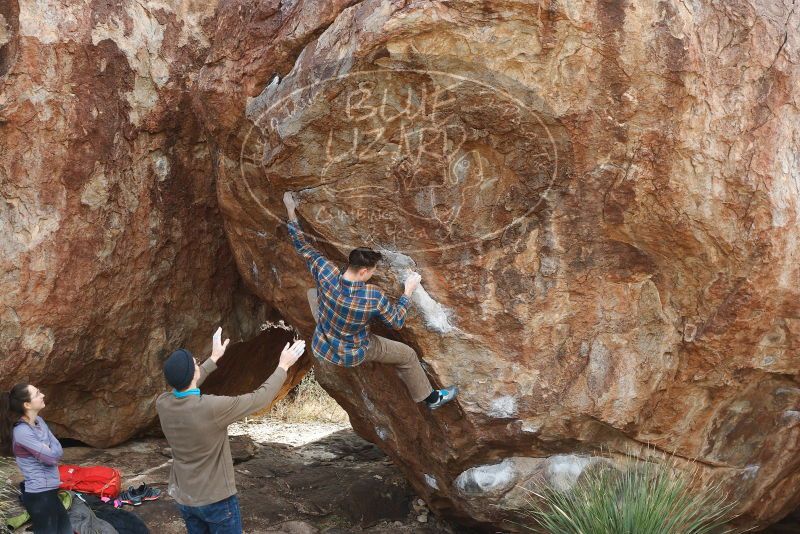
(196,427)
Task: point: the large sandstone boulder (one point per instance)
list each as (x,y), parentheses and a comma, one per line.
(602,200)
(601,197)
(112,250)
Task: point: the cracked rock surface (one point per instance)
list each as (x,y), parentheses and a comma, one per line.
(602,200)
(112,252)
(601,197)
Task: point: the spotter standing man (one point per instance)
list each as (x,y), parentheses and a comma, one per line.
(196,426)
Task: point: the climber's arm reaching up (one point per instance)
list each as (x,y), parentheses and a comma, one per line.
(320,267)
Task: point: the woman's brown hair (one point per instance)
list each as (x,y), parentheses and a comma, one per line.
(12,407)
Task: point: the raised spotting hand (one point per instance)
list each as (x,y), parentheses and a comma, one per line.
(218,348)
(291,354)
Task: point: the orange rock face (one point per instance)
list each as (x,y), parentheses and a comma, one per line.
(112,251)
(601,197)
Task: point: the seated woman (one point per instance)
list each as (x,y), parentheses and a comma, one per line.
(37,451)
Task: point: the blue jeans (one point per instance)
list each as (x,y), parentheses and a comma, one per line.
(221,517)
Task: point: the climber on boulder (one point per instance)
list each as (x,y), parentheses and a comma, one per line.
(343,305)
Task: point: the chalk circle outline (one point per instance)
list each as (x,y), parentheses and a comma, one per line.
(463,243)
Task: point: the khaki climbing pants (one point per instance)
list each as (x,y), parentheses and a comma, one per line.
(387,351)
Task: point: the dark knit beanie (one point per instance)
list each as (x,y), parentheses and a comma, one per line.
(179,369)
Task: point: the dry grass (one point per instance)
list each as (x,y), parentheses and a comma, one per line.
(308,403)
(9,501)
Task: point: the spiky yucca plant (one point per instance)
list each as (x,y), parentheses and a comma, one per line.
(645,498)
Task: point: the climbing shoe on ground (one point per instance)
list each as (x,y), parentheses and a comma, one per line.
(445,396)
(149,494)
(145,493)
(129,497)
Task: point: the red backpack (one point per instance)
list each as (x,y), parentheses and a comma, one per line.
(96,479)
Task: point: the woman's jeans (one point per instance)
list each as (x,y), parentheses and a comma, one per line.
(47,512)
(221,517)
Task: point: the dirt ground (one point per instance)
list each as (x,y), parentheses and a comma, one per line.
(315,478)
(335,485)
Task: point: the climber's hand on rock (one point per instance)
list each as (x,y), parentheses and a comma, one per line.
(291,205)
(217,346)
(412,281)
(291,354)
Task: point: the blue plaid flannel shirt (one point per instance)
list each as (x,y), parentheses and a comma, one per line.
(345,308)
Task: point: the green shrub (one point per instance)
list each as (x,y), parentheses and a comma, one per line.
(645,498)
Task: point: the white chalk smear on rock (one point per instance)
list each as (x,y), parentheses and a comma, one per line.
(431,481)
(503,407)
(492,479)
(563,470)
(435,316)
